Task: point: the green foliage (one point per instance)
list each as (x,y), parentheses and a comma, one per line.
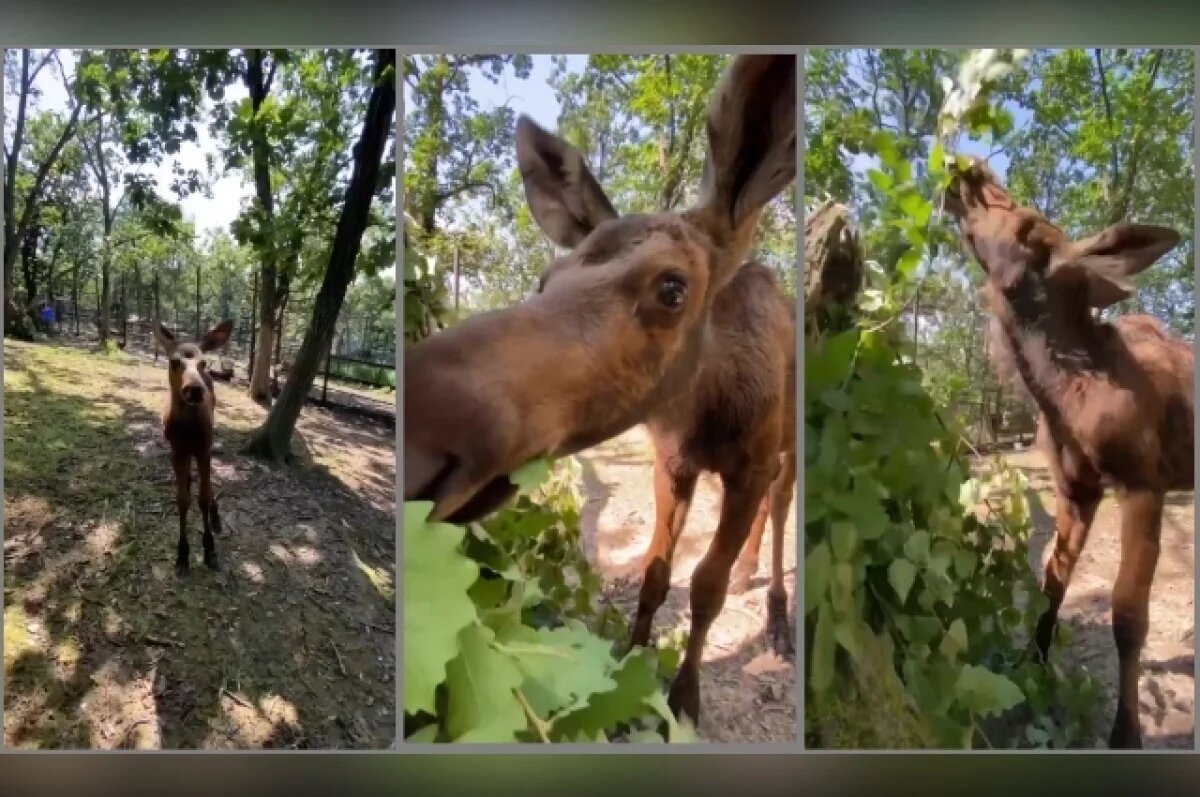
(900,557)
(639,120)
(505,640)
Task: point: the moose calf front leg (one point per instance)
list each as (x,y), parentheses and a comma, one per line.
(183,496)
(743,493)
(1076,509)
(674,486)
(1141,527)
(208,511)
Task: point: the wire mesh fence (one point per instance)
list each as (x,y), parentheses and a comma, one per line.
(358,370)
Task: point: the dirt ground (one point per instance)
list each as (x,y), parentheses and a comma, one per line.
(290,645)
(748,694)
(1167,686)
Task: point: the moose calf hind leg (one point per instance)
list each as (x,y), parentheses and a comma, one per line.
(747,563)
(1141,526)
(710,581)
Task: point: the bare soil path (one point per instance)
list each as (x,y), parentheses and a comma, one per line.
(1167,686)
(748,694)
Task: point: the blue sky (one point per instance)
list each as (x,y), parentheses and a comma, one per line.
(999,161)
(532,96)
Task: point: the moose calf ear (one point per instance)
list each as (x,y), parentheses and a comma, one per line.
(751,154)
(165,337)
(1103,291)
(1113,255)
(564,198)
(216,337)
(1124,250)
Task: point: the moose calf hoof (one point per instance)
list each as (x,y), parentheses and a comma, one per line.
(210,560)
(1126,731)
(739,581)
(779,630)
(684,697)
(182,568)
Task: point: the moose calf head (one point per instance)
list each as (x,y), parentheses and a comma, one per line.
(1029,259)
(187,365)
(616,325)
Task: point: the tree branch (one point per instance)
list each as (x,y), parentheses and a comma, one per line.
(1108,115)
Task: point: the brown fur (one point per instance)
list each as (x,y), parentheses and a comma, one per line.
(1115,399)
(648,319)
(188,429)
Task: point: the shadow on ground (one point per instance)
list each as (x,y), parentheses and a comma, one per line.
(1166,687)
(747,693)
(290,645)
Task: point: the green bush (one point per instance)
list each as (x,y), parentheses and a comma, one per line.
(506,638)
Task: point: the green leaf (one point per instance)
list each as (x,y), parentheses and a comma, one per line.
(986,693)
(842,537)
(563,667)
(937,159)
(849,635)
(907,265)
(881,180)
(818,566)
(824,648)
(901,574)
(481,684)
(884,145)
(955,641)
(436,603)
(916,547)
(426,735)
(531,475)
(635,681)
(964,562)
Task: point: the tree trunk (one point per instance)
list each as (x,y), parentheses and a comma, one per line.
(253,331)
(29,247)
(273,438)
(199,320)
(157,314)
(76,289)
(105,289)
(98,301)
(259,86)
(834,267)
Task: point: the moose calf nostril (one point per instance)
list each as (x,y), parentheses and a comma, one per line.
(193,394)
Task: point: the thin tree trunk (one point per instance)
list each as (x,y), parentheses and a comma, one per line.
(199,320)
(253,329)
(157,314)
(259,85)
(273,438)
(76,289)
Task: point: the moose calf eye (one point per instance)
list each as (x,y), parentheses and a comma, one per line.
(672,292)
